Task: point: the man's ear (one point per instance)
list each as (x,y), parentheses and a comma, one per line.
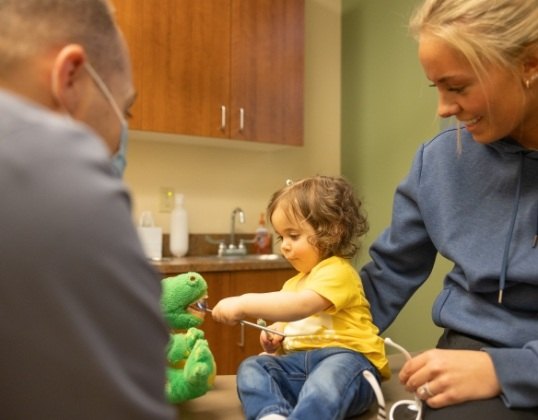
(67,76)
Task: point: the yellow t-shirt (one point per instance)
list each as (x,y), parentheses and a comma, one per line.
(347,323)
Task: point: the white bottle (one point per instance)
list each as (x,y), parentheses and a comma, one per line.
(151,236)
(179,230)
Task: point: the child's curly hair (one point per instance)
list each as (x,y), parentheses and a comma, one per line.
(329,205)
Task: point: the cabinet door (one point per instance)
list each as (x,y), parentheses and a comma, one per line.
(267,70)
(254,282)
(231,344)
(181,58)
(222,338)
(130,21)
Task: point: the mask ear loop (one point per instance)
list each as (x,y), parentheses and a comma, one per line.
(413,405)
(105,90)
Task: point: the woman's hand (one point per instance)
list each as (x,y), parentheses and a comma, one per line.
(447,377)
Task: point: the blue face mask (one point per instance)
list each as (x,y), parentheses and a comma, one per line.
(119,160)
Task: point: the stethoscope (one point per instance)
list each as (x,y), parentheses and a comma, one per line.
(260,325)
(413,405)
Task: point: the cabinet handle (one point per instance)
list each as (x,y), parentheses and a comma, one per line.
(223,118)
(241,119)
(241,336)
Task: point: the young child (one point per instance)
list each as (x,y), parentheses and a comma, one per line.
(315,372)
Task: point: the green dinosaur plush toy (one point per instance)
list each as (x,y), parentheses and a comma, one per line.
(192,368)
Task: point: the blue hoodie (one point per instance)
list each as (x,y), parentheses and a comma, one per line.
(478,209)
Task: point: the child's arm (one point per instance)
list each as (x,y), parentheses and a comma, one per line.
(275,306)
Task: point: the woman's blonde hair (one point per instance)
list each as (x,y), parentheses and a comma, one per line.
(486,32)
(329,205)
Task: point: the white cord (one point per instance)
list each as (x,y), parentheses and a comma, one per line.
(398,347)
(413,405)
(381,410)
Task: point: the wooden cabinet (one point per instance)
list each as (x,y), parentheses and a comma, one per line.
(217,68)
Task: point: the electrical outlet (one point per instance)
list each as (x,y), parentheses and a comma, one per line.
(167,198)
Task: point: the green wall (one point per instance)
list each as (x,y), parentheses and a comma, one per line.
(387,111)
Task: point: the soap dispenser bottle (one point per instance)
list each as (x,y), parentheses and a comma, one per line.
(179,231)
(262,240)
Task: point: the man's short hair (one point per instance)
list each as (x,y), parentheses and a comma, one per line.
(31,27)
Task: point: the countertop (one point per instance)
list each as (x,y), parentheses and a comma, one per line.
(208,263)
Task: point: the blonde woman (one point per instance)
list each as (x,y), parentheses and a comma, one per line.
(472,196)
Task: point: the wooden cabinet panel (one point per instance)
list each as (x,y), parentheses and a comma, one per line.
(181,54)
(267,69)
(217,68)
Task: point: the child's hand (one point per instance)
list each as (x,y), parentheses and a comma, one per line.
(228,311)
(271,343)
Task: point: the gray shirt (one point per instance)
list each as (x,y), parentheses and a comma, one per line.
(81,330)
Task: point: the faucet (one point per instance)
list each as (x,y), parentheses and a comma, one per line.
(232,249)
(241,214)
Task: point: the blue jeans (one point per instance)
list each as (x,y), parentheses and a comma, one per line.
(323,384)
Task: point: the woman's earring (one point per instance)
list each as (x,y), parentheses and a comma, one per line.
(530,80)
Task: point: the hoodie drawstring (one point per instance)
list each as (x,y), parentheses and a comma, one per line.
(535,242)
(504,267)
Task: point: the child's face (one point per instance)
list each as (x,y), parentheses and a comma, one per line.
(295,246)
